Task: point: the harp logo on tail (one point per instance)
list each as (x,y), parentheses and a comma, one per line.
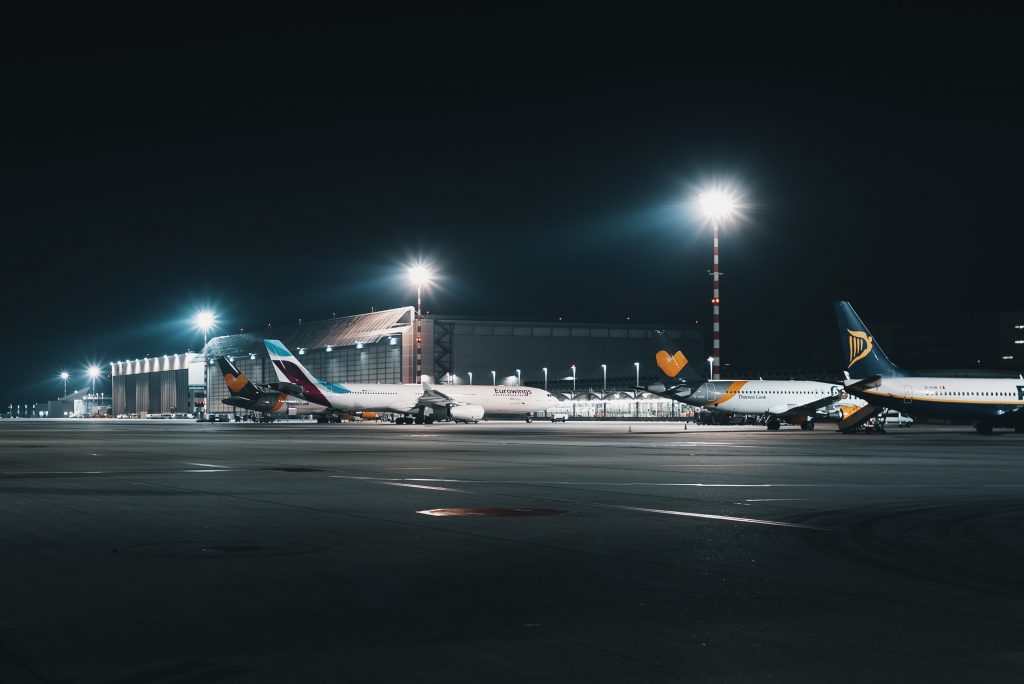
(671,365)
(860,345)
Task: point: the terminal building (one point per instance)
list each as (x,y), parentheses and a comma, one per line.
(572,358)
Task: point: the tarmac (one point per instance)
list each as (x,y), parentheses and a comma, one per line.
(170,551)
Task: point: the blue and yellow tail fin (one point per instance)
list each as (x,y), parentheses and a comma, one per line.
(862,356)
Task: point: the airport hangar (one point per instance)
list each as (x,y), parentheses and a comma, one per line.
(380,347)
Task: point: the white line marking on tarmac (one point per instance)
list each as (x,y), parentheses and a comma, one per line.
(416,486)
(724,518)
(51,472)
(713,465)
(776,499)
(597,484)
(210,465)
(728,444)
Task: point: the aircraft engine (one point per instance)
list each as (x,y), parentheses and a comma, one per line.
(467,413)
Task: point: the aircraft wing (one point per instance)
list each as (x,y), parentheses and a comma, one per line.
(432,397)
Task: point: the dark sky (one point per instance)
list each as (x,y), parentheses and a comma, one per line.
(278,168)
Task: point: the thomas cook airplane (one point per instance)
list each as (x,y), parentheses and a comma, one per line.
(989,402)
(265,400)
(460,403)
(773,401)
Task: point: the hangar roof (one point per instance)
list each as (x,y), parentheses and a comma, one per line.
(340,332)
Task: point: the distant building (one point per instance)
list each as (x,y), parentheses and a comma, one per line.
(75,405)
(169,384)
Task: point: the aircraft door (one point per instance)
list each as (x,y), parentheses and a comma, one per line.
(908,394)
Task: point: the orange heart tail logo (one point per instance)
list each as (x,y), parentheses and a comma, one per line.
(671,365)
(236,383)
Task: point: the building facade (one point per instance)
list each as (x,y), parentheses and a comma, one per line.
(169,384)
(380,347)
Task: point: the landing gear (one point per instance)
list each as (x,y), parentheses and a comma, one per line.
(984,428)
(773,424)
(529,419)
(807,425)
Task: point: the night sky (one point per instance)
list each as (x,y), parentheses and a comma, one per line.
(274,169)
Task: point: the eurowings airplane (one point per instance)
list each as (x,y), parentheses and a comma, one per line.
(267,400)
(774,401)
(460,403)
(989,402)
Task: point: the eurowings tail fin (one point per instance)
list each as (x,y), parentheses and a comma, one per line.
(289,370)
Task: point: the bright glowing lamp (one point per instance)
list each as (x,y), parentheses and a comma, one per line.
(420,275)
(718,204)
(205,320)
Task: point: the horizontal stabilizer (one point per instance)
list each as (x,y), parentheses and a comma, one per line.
(866,384)
(286,387)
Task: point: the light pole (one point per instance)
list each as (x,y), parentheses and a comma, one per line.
(545,379)
(420,275)
(64,375)
(711,367)
(205,320)
(94,372)
(573,378)
(604,375)
(636,364)
(494,378)
(519,377)
(717,205)
(470,373)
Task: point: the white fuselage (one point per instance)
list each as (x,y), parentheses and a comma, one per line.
(501,399)
(966,398)
(759,397)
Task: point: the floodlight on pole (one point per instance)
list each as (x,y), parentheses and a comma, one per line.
(711,367)
(470,374)
(494,378)
(64,375)
(636,364)
(573,377)
(205,320)
(420,276)
(93,372)
(519,377)
(545,379)
(718,205)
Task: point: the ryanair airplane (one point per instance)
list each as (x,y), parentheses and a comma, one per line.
(773,401)
(995,402)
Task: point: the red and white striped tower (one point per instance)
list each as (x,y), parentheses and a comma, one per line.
(716,350)
(717,204)
(419,332)
(420,275)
